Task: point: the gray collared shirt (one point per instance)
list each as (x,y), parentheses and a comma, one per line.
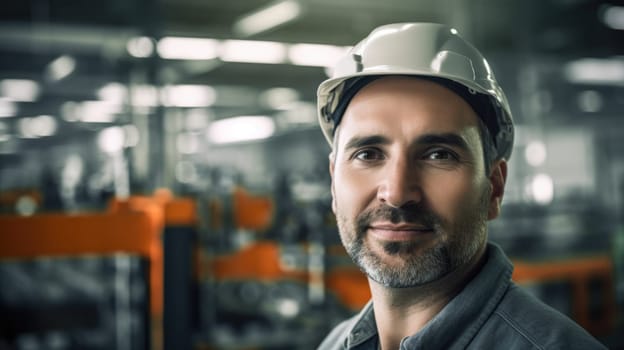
(491,312)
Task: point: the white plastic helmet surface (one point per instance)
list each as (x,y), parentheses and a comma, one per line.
(419,49)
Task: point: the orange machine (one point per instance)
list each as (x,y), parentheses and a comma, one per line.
(580,273)
(60,235)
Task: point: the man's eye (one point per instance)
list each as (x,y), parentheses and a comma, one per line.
(368,155)
(440,155)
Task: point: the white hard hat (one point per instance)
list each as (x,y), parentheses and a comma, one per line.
(426,50)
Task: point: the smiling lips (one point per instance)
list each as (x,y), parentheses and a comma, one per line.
(399,232)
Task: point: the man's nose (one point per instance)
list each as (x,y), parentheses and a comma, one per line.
(400,184)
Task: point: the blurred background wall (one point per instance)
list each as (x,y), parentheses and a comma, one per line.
(191,124)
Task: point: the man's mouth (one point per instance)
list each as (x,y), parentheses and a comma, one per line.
(400,231)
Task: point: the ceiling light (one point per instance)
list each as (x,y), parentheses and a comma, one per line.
(279,98)
(542,189)
(60,68)
(253,51)
(111,139)
(35,127)
(613,17)
(114,93)
(535,153)
(22,90)
(44,125)
(90,111)
(315,54)
(269,17)
(144,96)
(243,128)
(595,71)
(140,47)
(188,95)
(187,48)
(8,108)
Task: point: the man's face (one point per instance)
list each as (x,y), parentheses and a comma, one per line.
(409,188)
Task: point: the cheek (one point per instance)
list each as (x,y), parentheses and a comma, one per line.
(449,194)
(352,191)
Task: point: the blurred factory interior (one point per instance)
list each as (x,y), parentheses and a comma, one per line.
(163,182)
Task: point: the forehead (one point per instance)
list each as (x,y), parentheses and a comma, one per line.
(405,107)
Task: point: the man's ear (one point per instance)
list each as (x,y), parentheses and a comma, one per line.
(331,174)
(497,178)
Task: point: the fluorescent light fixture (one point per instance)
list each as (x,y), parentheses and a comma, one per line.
(22,90)
(90,111)
(60,68)
(144,96)
(140,47)
(613,17)
(35,127)
(111,139)
(279,97)
(114,93)
(316,55)
(188,95)
(8,108)
(269,17)
(187,48)
(542,189)
(595,71)
(243,128)
(253,51)
(535,153)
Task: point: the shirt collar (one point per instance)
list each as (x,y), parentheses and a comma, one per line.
(364,327)
(459,321)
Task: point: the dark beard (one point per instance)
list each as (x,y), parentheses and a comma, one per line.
(418,268)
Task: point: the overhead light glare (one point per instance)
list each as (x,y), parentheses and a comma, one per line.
(279,97)
(90,111)
(61,68)
(111,140)
(8,108)
(35,127)
(188,95)
(250,51)
(187,48)
(270,17)
(114,93)
(613,17)
(535,153)
(542,189)
(595,71)
(243,128)
(21,90)
(144,96)
(140,47)
(316,55)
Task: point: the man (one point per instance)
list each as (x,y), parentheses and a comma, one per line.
(420,134)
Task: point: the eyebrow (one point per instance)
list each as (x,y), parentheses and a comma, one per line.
(450,139)
(363,141)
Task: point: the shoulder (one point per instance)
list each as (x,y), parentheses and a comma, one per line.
(338,336)
(522,321)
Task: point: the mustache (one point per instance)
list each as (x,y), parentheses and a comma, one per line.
(411,214)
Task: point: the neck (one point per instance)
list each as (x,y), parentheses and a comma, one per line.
(402,312)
